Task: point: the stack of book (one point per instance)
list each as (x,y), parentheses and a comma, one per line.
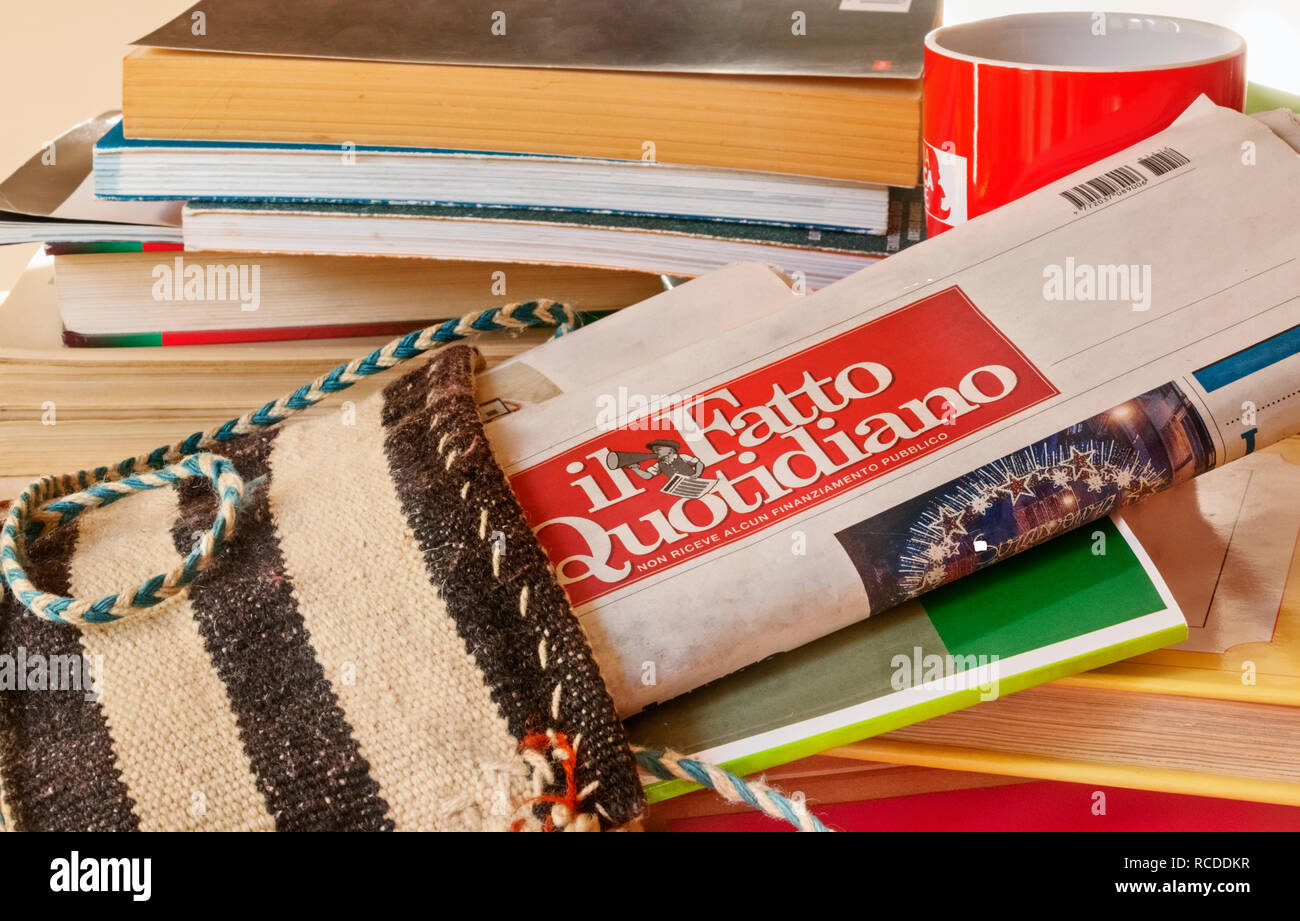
(559,135)
(285,189)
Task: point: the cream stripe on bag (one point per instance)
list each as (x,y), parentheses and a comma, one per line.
(377,624)
(177,745)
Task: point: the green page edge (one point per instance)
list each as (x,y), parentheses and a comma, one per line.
(957,700)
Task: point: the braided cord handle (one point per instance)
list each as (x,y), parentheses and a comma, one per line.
(53,501)
(667,765)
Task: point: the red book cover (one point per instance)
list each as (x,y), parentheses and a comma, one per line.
(1037,806)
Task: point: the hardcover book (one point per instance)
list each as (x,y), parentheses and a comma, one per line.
(833,127)
(835,38)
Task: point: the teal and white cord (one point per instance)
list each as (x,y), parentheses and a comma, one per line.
(667,764)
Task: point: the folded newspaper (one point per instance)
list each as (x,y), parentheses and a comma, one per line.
(745,492)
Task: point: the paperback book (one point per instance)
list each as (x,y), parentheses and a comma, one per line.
(138,168)
(667,246)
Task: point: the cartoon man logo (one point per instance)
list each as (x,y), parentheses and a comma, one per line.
(671,461)
(681,470)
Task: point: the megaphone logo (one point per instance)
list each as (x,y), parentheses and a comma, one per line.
(617,460)
(682,470)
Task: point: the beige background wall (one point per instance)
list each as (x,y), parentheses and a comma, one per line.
(60,63)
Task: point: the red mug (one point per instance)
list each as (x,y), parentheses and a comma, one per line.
(1013,103)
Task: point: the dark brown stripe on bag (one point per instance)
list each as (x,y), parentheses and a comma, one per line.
(56,754)
(298,741)
(446,477)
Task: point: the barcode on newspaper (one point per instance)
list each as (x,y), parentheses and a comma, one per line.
(1123,179)
(1163,160)
(1104,187)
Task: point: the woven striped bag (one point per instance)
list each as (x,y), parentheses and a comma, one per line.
(353,629)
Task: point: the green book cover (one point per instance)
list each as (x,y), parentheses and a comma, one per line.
(1264,98)
(1083,600)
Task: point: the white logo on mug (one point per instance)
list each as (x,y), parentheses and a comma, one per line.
(945,185)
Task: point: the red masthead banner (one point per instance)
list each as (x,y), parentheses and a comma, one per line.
(677,483)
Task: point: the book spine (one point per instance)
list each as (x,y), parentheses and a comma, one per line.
(273,334)
(124,246)
(74,340)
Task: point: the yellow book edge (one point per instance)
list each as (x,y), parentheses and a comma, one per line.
(1018,764)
